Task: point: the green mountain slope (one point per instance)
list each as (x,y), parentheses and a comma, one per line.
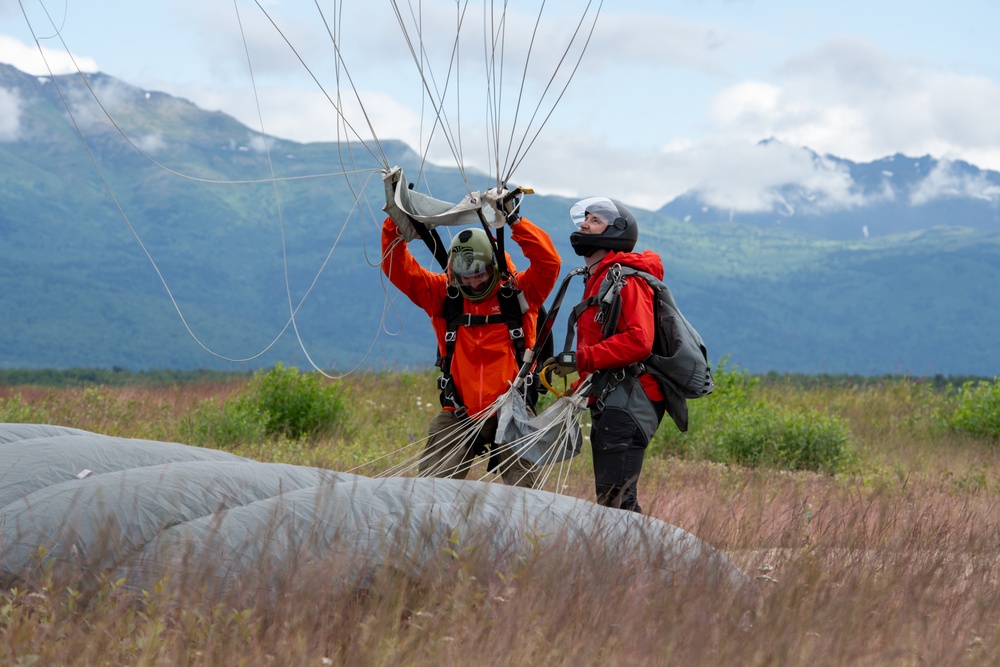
(86,284)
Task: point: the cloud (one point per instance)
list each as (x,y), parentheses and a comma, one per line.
(625,126)
(311,116)
(737,176)
(753,178)
(845,98)
(28,59)
(946,181)
(10,115)
(665,42)
(151,143)
(849,98)
(116,99)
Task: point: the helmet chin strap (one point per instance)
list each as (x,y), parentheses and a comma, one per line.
(584,244)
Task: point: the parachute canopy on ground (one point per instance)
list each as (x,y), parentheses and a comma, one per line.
(139,509)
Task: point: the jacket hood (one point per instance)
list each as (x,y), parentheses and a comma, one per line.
(647,261)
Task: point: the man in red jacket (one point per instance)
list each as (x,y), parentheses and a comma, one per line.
(626,405)
(478,359)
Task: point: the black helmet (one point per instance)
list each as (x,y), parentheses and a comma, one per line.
(472,264)
(621,234)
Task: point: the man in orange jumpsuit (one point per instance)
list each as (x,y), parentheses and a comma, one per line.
(480,360)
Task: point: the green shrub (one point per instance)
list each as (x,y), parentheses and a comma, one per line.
(293,405)
(975,409)
(777,438)
(14,410)
(238,422)
(734,389)
(279,403)
(733,425)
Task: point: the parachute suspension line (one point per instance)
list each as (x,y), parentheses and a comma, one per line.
(117,204)
(312,285)
(494,42)
(452,445)
(358,193)
(292,307)
(273,180)
(381,155)
(503,175)
(514,449)
(452,449)
(389,301)
(494,74)
(360,200)
(138,149)
(342,123)
(440,119)
(427,79)
(274,186)
(524,147)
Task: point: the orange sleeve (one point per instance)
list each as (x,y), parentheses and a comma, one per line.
(423,287)
(544,262)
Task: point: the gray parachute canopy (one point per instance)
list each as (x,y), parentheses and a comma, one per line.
(139,509)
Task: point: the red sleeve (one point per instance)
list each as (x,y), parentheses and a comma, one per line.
(634,339)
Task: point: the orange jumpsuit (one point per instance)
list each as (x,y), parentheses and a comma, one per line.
(483,364)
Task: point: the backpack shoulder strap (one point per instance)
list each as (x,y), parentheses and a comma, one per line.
(610,297)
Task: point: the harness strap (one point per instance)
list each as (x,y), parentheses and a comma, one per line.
(609,305)
(573,316)
(512,308)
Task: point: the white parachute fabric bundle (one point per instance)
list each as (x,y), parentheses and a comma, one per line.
(553,436)
(403,205)
(146,511)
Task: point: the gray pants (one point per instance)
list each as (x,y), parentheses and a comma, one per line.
(451,449)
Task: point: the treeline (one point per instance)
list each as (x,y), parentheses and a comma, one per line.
(117,377)
(113,377)
(832,381)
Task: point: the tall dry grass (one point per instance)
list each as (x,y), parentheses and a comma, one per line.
(894,564)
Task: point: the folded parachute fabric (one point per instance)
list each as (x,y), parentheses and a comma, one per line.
(137,509)
(404,205)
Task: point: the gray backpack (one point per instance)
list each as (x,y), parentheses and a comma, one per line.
(679,360)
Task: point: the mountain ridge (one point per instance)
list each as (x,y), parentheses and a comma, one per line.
(893,194)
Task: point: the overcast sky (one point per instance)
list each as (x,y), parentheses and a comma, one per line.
(669,94)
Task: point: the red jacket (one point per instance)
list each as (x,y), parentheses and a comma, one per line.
(483,363)
(633,340)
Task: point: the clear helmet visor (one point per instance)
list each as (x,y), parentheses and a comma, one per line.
(472,272)
(601,207)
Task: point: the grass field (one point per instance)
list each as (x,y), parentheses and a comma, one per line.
(893,560)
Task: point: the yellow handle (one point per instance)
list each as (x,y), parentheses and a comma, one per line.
(555,392)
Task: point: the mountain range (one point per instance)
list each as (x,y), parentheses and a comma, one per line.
(896,194)
(161,240)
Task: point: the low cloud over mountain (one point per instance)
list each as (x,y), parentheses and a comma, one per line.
(846,200)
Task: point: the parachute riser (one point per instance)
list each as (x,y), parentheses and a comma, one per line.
(550,319)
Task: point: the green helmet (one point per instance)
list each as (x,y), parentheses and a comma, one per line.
(472,264)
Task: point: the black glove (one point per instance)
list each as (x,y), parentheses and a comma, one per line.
(511,205)
(563,365)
